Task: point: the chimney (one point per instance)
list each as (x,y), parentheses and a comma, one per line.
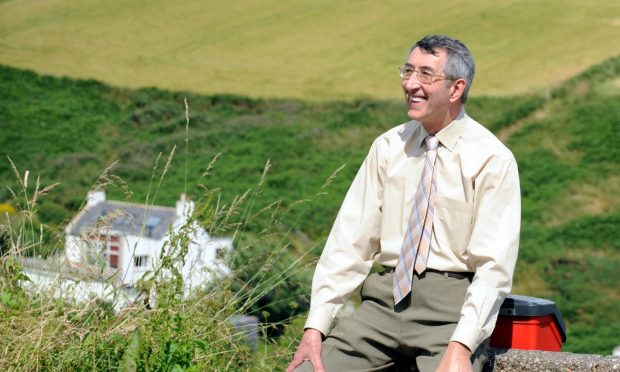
(95,197)
(185,206)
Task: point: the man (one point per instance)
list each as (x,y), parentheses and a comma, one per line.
(437,204)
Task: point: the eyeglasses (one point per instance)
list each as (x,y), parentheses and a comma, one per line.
(424,77)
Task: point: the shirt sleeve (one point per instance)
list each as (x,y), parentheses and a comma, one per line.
(352,243)
(492,249)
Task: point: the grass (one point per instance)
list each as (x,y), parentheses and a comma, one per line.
(320,50)
(568,163)
(45,330)
(598,197)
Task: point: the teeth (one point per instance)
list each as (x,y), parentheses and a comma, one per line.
(416,99)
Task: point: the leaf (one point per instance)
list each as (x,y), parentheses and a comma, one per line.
(128,361)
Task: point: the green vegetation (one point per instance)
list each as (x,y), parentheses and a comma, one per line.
(571,213)
(305,142)
(164,328)
(70,131)
(311,50)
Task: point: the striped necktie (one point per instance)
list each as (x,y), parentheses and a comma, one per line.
(418,235)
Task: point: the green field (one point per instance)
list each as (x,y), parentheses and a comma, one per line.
(303,49)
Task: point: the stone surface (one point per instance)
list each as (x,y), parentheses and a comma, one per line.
(513,360)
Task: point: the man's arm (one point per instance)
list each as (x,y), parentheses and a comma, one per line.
(492,249)
(348,254)
(352,243)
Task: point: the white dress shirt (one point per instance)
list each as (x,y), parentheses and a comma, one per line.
(476,221)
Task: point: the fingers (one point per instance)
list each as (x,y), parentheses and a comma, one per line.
(297,360)
(306,354)
(316,362)
(294,364)
(309,350)
(299,357)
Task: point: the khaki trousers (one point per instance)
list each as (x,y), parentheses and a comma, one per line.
(415,334)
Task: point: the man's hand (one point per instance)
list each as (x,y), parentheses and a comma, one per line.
(456,358)
(309,349)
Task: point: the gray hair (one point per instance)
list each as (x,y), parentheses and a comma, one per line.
(459,62)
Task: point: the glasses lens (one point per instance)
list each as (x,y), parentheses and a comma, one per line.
(405,72)
(425,77)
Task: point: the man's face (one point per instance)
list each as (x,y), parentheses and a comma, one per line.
(427,103)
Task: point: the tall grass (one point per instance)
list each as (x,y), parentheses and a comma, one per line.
(165,328)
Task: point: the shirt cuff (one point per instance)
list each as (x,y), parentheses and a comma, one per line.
(320,318)
(467,334)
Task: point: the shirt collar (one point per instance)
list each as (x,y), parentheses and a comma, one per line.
(448,135)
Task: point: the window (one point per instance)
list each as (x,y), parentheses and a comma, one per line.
(220,253)
(151,224)
(103,249)
(95,252)
(140,261)
(113,252)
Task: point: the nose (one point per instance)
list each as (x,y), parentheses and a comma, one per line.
(411,82)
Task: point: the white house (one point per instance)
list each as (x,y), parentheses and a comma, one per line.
(125,240)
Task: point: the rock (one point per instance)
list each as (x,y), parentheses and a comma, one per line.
(513,360)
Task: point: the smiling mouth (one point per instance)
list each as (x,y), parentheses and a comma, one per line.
(415,99)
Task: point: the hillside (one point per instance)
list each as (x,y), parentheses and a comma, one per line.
(566,144)
(45,121)
(317,50)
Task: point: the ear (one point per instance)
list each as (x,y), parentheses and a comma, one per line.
(457,89)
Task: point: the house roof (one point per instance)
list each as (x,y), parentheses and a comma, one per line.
(125,218)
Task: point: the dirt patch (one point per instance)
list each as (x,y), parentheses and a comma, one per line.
(586,200)
(506,132)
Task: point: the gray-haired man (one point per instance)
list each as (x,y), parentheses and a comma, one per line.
(437,204)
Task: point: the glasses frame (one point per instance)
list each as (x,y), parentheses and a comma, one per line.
(433,77)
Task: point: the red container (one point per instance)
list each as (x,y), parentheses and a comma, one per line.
(529,323)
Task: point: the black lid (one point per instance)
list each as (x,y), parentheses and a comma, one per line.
(517,305)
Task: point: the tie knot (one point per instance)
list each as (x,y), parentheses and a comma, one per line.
(432,143)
